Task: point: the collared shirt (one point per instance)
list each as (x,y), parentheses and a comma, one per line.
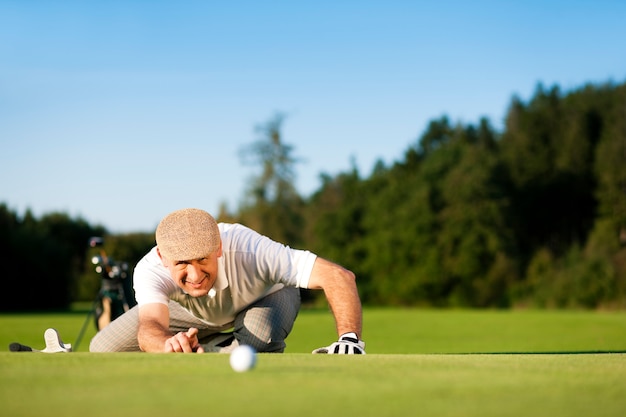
(251,267)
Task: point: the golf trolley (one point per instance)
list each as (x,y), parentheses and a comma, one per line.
(111,300)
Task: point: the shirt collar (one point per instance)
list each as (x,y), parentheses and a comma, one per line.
(221,282)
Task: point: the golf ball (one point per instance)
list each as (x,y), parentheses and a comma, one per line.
(243,358)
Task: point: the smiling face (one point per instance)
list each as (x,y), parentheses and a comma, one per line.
(197,276)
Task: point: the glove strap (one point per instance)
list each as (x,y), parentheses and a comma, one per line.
(349,337)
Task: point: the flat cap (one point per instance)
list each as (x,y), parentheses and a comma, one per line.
(187,234)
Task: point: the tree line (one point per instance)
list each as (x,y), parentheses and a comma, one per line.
(47,261)
(532,216)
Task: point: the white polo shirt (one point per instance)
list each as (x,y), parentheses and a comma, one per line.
(251,267)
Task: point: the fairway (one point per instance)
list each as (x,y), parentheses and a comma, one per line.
(419,362)
(153,385)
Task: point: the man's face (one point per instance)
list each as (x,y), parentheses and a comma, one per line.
(197,276)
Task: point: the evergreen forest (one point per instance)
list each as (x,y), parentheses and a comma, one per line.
(533,216)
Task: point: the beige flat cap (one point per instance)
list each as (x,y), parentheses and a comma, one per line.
(187,234)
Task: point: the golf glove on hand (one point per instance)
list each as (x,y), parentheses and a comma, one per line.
(348,344)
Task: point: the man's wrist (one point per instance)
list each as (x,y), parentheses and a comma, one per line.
(351,336)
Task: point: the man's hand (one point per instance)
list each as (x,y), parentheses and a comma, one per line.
(185,342)
(348,344)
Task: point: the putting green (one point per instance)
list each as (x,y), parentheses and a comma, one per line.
(419,362)
(82,384)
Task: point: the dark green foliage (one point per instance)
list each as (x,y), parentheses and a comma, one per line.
(433,225)
(41,258)
(531,216)
(272,206)
(548,150)
(335,214)
(565,158)
(534,215)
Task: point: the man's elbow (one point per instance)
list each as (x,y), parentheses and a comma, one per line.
(146,343)
(142,344)
(348,275)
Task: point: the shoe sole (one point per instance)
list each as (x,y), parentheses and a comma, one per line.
(54,343)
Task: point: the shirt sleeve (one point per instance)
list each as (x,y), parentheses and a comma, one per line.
(151,280)
(304,264)
(272,261)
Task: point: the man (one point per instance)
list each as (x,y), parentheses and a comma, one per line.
(209,287)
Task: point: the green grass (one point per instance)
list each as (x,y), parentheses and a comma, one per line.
(419,362)
(472,331)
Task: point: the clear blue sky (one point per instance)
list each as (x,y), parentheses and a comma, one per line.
(122,111)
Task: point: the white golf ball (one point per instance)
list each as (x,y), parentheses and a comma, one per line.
(243,358)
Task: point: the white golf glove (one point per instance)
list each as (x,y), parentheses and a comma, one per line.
(348,344)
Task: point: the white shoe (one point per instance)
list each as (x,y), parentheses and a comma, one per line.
(54,343)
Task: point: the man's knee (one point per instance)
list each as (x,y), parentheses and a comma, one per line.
(275,343)
(266,324)
(119,336)
(98,344)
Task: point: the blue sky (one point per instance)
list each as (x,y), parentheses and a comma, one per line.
(122,111)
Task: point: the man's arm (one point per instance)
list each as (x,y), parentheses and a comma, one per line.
(154,335)
(339,285)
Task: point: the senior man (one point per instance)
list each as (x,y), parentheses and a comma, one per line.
(209,287)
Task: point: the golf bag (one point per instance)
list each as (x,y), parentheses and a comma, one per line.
(111,301)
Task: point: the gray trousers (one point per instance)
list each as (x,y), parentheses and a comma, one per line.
(264,325)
